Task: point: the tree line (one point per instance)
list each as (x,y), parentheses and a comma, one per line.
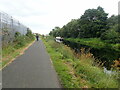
(94,23)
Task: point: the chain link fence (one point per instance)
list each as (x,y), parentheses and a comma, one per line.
(8,27)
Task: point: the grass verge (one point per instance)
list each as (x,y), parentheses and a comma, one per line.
(11,51)
(77,70)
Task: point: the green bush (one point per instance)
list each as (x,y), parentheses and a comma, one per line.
(111,36)
(22,40)
(17,34)
(30,35)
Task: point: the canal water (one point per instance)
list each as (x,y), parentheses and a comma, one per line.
(105,54)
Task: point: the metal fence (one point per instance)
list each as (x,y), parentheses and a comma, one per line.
(8,27)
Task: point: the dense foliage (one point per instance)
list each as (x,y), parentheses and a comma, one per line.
(94,23)
(21,40)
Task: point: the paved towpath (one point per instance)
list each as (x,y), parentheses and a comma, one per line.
(31,70)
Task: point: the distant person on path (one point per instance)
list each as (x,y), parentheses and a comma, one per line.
(37,37)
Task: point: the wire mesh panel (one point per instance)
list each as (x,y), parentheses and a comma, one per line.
(0,29)
(0,41)
(9,26)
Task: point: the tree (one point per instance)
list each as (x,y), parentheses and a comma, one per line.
(93,23)
(112,35)
(55,32)
(112,20)
(70,29)
(29,34)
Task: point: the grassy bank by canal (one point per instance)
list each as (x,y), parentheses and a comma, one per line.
(78,70)
(105,52)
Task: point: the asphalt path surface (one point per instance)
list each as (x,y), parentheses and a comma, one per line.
(33,69)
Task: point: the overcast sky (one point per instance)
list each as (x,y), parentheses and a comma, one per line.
(42,16)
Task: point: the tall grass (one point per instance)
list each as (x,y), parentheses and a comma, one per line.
(93,74)
(78,70)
